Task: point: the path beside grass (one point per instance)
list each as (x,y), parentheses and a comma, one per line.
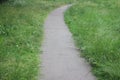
(60,58)
(95,27)
(21,31)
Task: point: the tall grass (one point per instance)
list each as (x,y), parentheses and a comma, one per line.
(95,25)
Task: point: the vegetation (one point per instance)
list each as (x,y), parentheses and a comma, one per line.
(1,1)
(95,25)
(21,30)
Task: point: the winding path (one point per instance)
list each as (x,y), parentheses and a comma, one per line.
(60,58)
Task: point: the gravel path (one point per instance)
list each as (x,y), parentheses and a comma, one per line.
(60,58)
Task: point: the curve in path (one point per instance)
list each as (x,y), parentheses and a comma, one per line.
(60,59)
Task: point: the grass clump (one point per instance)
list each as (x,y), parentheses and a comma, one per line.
(95,25)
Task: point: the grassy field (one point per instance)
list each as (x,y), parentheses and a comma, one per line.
(21,31)
(95,25)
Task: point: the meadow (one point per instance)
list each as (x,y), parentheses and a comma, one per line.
(95,25)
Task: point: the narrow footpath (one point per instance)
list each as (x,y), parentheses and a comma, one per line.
(60,58)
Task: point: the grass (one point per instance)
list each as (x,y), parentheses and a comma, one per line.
(21,31)
(95,25)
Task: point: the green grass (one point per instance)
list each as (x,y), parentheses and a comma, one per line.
(21,31)
(95,25)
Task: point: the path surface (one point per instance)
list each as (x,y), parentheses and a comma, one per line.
(60,59)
